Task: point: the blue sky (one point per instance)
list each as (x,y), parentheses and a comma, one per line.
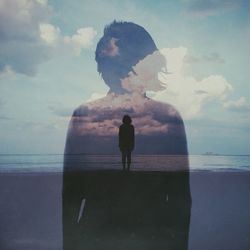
(47,67)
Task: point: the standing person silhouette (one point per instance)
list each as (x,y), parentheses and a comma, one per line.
(126,140)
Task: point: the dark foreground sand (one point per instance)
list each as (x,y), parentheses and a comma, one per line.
(31,211)
(126,210)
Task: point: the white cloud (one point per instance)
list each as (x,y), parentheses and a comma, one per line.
(29,39)
(49,33)
(237,105)
(22,16)
(145,74)
(186,93)
(83,39)
(21,47)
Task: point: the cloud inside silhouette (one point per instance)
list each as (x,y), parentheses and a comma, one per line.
(103,116)
(145,74)
(161,75)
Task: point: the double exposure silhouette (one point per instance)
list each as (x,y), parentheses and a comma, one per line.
(126,140)
(102,207)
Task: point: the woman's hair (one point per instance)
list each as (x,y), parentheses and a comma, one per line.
(126,119)
(122,46)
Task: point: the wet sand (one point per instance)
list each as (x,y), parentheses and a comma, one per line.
(31,211)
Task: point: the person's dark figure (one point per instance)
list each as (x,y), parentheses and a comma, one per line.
(105,209)
(126,140)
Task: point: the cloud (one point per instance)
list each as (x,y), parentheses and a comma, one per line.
(103,116)
(21,48)
(206,8)
(49,33)
(210,58)
(239,105)
(112,49)
(28,38)
(165,81)
(83,39)
(144,76)
(186,93)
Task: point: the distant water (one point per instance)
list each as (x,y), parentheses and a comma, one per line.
(54,162)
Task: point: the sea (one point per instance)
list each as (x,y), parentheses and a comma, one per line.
(32,163)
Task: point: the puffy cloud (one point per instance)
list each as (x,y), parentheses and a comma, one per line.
(237,105)
(145,74)
(28,39)
(102,115)
(81,40)
(49,33)
(186,93)
(165,81)
(161,75)
(21,48)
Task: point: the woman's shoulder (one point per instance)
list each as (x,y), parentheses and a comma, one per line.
(81,110)
(163,109)
(86,107)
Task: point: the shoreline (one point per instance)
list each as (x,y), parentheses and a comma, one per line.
(115,170)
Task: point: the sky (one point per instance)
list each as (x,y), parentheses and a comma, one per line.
(48,68)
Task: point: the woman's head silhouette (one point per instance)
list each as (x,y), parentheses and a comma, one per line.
(122,46)
(126,119)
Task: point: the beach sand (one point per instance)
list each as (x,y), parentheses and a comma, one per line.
(126,210)
(31,211)
(220,217)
